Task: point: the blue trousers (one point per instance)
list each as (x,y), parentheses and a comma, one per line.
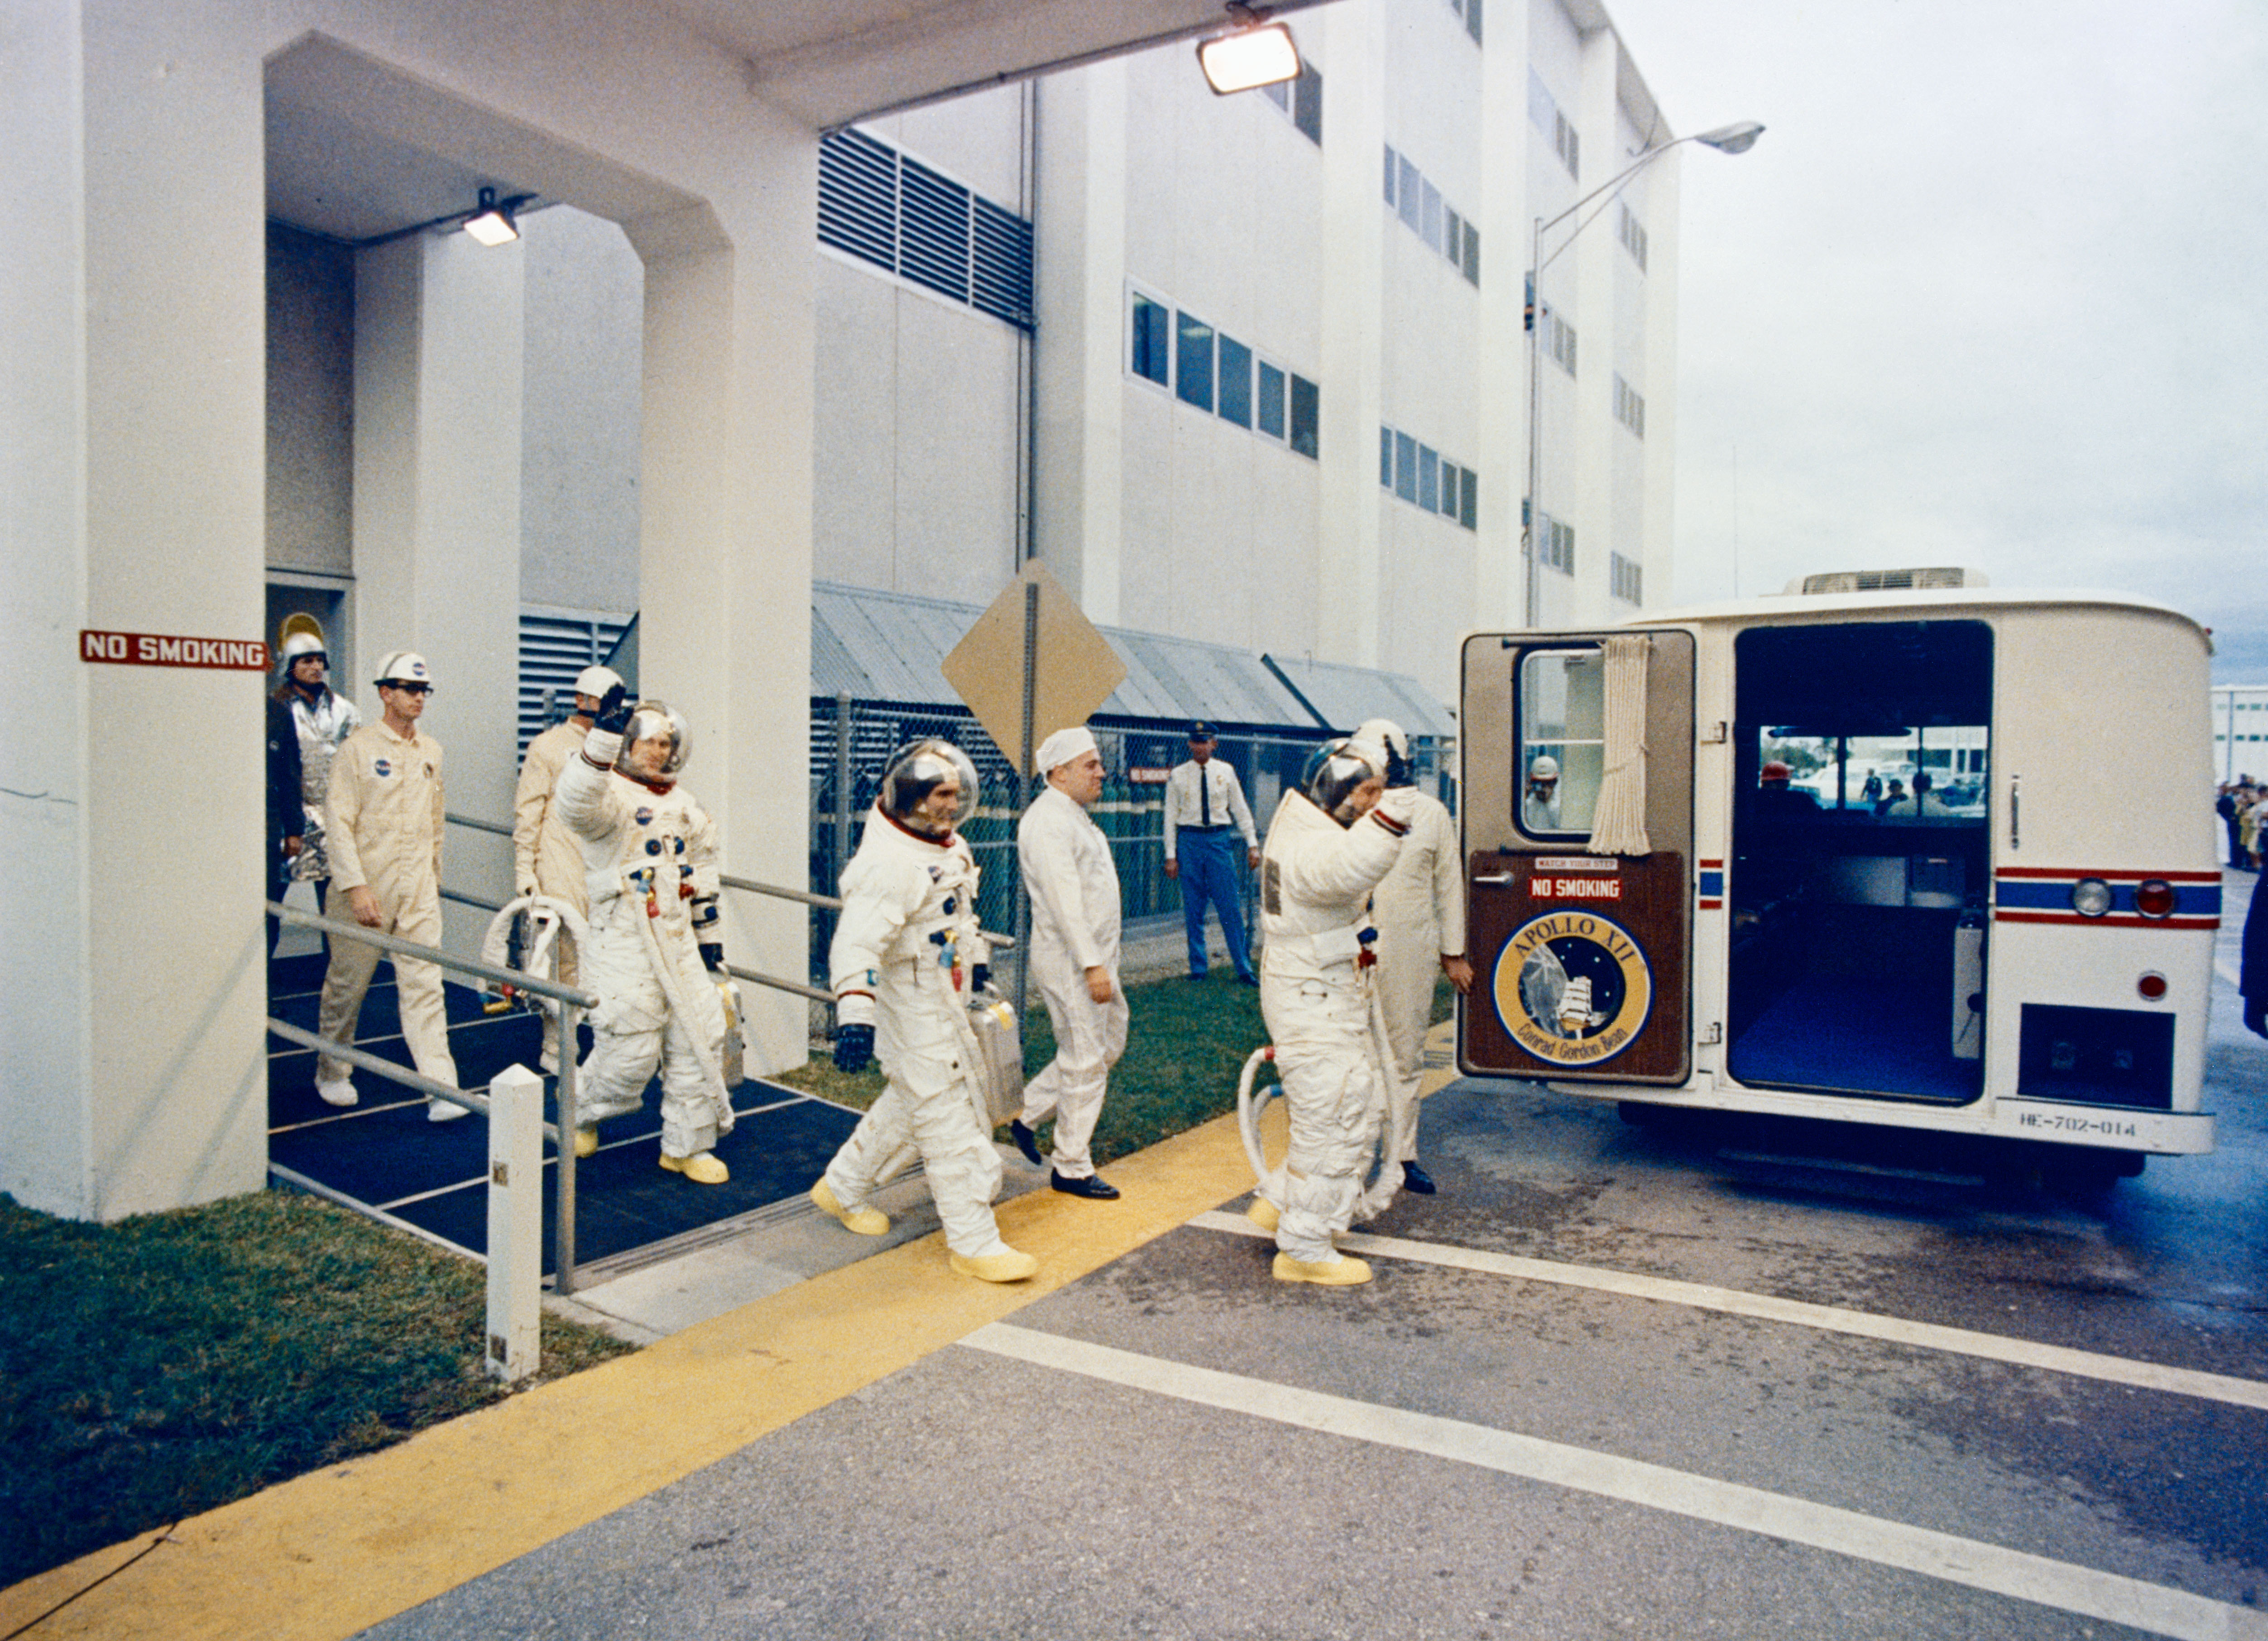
(1208,876)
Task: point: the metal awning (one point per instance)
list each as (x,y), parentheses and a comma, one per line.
(1341,697)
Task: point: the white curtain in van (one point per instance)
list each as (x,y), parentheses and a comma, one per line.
(1618,825)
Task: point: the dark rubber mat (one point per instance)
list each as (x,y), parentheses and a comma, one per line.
(384,1152)
(1842,1034)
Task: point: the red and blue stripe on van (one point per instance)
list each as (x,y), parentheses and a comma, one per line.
(2129,900)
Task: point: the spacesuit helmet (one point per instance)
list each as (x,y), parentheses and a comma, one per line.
(1336,773)
(656,744)
(910,782)
(1394,740)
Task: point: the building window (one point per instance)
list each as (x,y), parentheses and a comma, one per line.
(1386,458)
(1569,142)
(1269,413)
(1306,417)
(1193,361)
(1628,579)
(1307,104)
(1470,11)
(1555,544)
(1542,108)
(1559,339)
(1633,238)
(1630,408)
(1429,479)
(1236,382)
(1543,113)
(1431,217)
(1468,505)
(1406,466)
(883,208)
(1151,326)
(1421,475)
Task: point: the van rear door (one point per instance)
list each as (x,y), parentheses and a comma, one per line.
(1577,813)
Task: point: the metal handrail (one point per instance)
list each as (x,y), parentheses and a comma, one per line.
(777,984)
(572,1001)
(825,903)
(497,827)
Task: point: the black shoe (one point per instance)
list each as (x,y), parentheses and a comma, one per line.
(1091,1187)
(1416,1179)
(1248,979)
(1025,1142)
(1197,977)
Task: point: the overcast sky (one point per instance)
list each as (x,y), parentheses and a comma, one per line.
(1991,290)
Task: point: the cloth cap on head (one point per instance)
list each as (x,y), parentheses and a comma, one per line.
(1775,771)
(594,682)
(404,666)
(1202,730)
(1064,745)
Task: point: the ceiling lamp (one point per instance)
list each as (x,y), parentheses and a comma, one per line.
(492,224)
(1254,53)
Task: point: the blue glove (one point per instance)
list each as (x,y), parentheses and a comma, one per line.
(980,976)
(613,711)
(854,1048)
(712,956)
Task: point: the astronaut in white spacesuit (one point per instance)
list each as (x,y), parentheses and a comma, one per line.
(649,866)
(1074,954)
(906,956)
(1328,847)
(1419,909)
(546,859)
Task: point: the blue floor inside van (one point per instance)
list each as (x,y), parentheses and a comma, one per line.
(384,1153)
(1849,1036)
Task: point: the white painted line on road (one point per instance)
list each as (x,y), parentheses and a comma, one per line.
(1979,1565)
(2117,1370)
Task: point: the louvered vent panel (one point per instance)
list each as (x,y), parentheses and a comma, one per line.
(858,197)
(1003,271)
(933,231)
(552,648)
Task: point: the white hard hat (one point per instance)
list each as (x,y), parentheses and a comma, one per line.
(404,666)
(300,643)
(594,682)
(1544,769)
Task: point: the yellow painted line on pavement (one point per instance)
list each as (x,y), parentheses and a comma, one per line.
(329,1554)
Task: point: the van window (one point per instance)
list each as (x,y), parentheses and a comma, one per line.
(1932,773)
(1560,752)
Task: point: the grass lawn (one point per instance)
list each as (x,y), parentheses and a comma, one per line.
(169,1363)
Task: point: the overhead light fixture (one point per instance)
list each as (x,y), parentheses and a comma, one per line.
(1737,138)
(491,223)
(1254,53)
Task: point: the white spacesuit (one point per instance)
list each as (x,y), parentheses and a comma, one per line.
(904,957)
(650,863)
(1419,909)
(383,820)
(547,859)
(1328,847)
(1075,916)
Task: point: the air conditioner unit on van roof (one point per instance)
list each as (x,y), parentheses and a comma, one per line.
(1886,580)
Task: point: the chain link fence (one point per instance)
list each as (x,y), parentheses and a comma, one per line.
(851,742)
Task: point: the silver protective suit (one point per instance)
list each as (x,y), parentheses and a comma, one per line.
(1075,911)
(322,725)
(1315,882)
(900,962)
(1419,910)
(383,816)
(649,871)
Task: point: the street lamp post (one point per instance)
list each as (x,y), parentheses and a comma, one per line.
(1737,138)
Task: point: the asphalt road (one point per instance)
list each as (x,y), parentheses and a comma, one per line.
(1721,1379)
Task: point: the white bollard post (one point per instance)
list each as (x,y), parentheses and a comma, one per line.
(515,1223)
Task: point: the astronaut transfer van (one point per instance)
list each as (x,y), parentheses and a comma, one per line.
(1896,849)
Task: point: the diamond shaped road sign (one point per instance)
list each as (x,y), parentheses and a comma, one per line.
(1074,669)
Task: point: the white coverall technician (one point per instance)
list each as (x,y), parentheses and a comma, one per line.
(1328,847)
(1419,909)
(1539,805)
(904,962)
(382,824)
(546,859)
(1073,884)
(649,855)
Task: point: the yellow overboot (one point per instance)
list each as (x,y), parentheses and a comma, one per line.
(868,1221)
(1343,1272)
(1007,1265)
(703,1168)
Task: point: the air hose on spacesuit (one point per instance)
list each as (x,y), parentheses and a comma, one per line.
(712,1070)
(547,917)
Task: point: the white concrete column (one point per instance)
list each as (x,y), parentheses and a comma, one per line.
(131,499)
(438,327)
(1079,293)
(1348,618)
(724,575)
